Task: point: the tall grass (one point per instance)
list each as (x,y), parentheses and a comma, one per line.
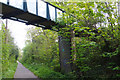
(45,73)
(9,73)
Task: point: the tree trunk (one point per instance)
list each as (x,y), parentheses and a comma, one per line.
(6,28)
(73,48)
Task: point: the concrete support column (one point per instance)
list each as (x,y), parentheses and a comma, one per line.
(65,54)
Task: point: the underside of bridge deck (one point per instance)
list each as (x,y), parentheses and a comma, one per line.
(10,12)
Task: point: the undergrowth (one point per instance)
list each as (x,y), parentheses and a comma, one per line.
(9,73)
(45,73)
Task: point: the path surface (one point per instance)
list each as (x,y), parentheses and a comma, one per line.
(24,73)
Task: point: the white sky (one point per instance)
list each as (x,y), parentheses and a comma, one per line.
(18,31)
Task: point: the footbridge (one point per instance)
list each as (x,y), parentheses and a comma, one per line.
(32,12)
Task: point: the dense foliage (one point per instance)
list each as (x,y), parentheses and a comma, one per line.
(96,49)
(42,47)
(95,35)
(9,54)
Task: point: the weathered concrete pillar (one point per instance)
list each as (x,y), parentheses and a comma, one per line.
(65,54)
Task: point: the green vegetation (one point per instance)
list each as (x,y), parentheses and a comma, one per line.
(96,49)
(9,73)
(94,33)
(9,54)
(45,73)
(42,49)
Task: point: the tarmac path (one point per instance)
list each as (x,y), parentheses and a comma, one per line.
(23,73)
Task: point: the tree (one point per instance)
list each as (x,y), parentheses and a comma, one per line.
(9,50)
(95,23)
(42,47)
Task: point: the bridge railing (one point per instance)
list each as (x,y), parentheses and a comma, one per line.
(37,7)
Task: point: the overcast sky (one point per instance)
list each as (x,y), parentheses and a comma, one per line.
(18,31)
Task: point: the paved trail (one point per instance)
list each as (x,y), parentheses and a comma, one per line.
(24,73)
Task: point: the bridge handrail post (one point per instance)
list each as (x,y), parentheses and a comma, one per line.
(36,7)
(55,14)
(47,12)
(24,5)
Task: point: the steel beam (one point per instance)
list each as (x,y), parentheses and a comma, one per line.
(13,14)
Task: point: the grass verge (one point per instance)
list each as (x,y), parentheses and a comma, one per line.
(9,73)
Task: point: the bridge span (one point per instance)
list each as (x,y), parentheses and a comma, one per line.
(32,12)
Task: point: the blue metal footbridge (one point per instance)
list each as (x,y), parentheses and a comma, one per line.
(32,12)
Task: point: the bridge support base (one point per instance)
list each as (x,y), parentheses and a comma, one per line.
(65,54)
